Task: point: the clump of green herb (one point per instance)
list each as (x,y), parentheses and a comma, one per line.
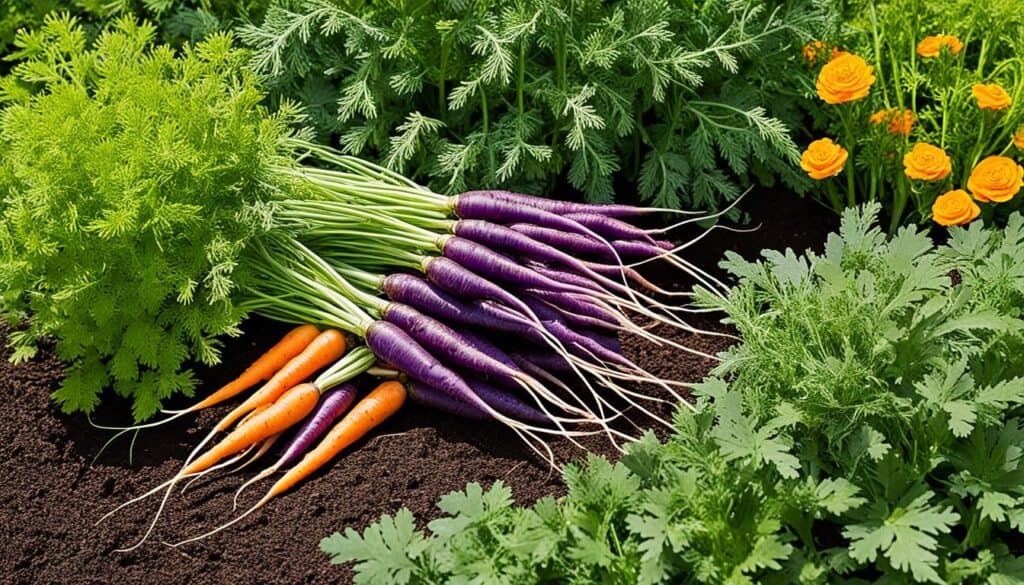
(177,20)
(867,430)
(678,102)
(130,181)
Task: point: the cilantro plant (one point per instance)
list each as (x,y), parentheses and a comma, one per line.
(131,179)
(682,101)
(866,430)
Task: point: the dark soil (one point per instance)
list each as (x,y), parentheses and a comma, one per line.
(52,493)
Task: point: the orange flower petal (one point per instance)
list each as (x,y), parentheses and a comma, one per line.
(931,47)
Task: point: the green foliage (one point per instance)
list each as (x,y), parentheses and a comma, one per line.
(867,430)
(902,384)
(178,20)
(130,179)
(684,101)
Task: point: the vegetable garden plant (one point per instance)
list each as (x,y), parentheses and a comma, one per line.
(355,170)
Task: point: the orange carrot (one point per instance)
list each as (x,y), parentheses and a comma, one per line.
(292,407)
(325,349)
(378,405)
(264,367)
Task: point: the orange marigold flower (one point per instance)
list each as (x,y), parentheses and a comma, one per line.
(927,162)
(815,49)
(1018,137)
(902,123)
(845,79)
(823,159)
(880,116)
(954,208)
(996,178)
(991,96)
(932,46)
(812,49)
(899,123)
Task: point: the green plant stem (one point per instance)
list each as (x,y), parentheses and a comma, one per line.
(915,28)
(442,105)
(874,185)
(521,79)
(484,128)
(845,111)
(877,40)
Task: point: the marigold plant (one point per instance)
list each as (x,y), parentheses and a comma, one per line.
(926,104)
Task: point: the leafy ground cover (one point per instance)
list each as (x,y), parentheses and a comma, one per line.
(131,178)
(179,21)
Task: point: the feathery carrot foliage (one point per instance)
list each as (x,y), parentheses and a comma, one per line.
(130,181)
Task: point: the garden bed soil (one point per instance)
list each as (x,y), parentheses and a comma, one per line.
(52,492)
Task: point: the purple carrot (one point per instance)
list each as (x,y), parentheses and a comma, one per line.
(485,346)
(581,244)
(509,405)
(394,346)
(332,404)
(555,325)
(539,362)
(565,276)
(432,300)
(636,249)
(560,207)
(476,205)
(431,398)
(501,237)
(500,401)
(609,342)
(630,273)
(458,280)
(443,341)
(568,241)
(496,266)
(611,228)
(588,313)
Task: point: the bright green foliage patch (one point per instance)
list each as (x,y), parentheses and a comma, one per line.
(867,430)
(684,102)
(178,20)
(130,179)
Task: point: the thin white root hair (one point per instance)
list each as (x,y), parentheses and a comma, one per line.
(220,465)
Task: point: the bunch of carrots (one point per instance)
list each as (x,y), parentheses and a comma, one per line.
(489,305)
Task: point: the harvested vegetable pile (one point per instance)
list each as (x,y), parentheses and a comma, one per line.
(135,235)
